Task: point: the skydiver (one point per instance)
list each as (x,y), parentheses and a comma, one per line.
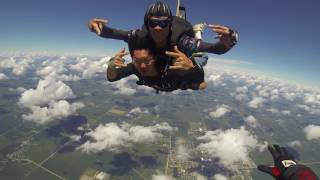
(285,167)
(144,66)
(166,31)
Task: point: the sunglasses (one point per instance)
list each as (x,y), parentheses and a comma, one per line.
(147,62)
(155,22)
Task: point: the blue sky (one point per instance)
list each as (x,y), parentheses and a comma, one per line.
(280,37)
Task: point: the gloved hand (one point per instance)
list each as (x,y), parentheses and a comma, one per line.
(285,167)
(282,161)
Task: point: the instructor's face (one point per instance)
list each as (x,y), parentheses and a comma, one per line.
(159,27)
(144,62)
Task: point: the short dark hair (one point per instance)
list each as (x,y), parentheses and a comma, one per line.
(138,43)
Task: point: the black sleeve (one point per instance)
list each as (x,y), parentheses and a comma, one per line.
(299,172)
(190,45)
(216,48)
(113,33)
(196,74)
(123,72)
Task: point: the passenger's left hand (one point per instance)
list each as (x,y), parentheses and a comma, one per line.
(226,36)
(182,62)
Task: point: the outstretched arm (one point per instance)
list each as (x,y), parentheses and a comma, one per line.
(227,39)
(99,27)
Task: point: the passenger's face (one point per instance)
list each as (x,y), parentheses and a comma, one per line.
(159,27)
(144,62)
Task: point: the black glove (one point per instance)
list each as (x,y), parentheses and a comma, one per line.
(285,167)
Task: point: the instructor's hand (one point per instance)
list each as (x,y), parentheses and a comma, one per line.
(182,62)
(226,36)
(96,25)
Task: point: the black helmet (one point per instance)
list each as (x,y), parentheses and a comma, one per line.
(159,8)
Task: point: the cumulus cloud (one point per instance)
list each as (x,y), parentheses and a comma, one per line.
(123,87)
(89,67)
(57,68)
(136,111)
(313,99)
(48,89)
(199,176)
(216,79)
(21,89)
(183,153)
(312,132)
(251,121)
(145,89)
(112,137)
(56,110)
(75,138)
(273,110)
(286,112)
(309,109)
(219,177)
(3,77)
(295,143)
(229,146)
(220,111)
(19,65)
(47,102)
(256,102)
(241,93)
(161,177)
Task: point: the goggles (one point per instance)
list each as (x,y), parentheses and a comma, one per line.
(156,22)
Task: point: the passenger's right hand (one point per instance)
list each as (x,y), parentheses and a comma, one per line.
(117,61)
(96,25)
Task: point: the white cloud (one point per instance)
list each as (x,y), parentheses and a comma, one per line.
(183,153)
(113,137)
(229,146)
(286,112)
(219,177)
(47,90)
(3,77)
(122,86)
(21,89)
(241,93)
(56,69)
(309,109)
(146,89)
(199,176)
(90,67)
(256,102)
(295,143)
(19,65)
(220,111)
(216,79)
(56,110)
(75,138)
(161,177)
(251,121)
(273,110)
(313,99)
(312,132)
(136,111)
